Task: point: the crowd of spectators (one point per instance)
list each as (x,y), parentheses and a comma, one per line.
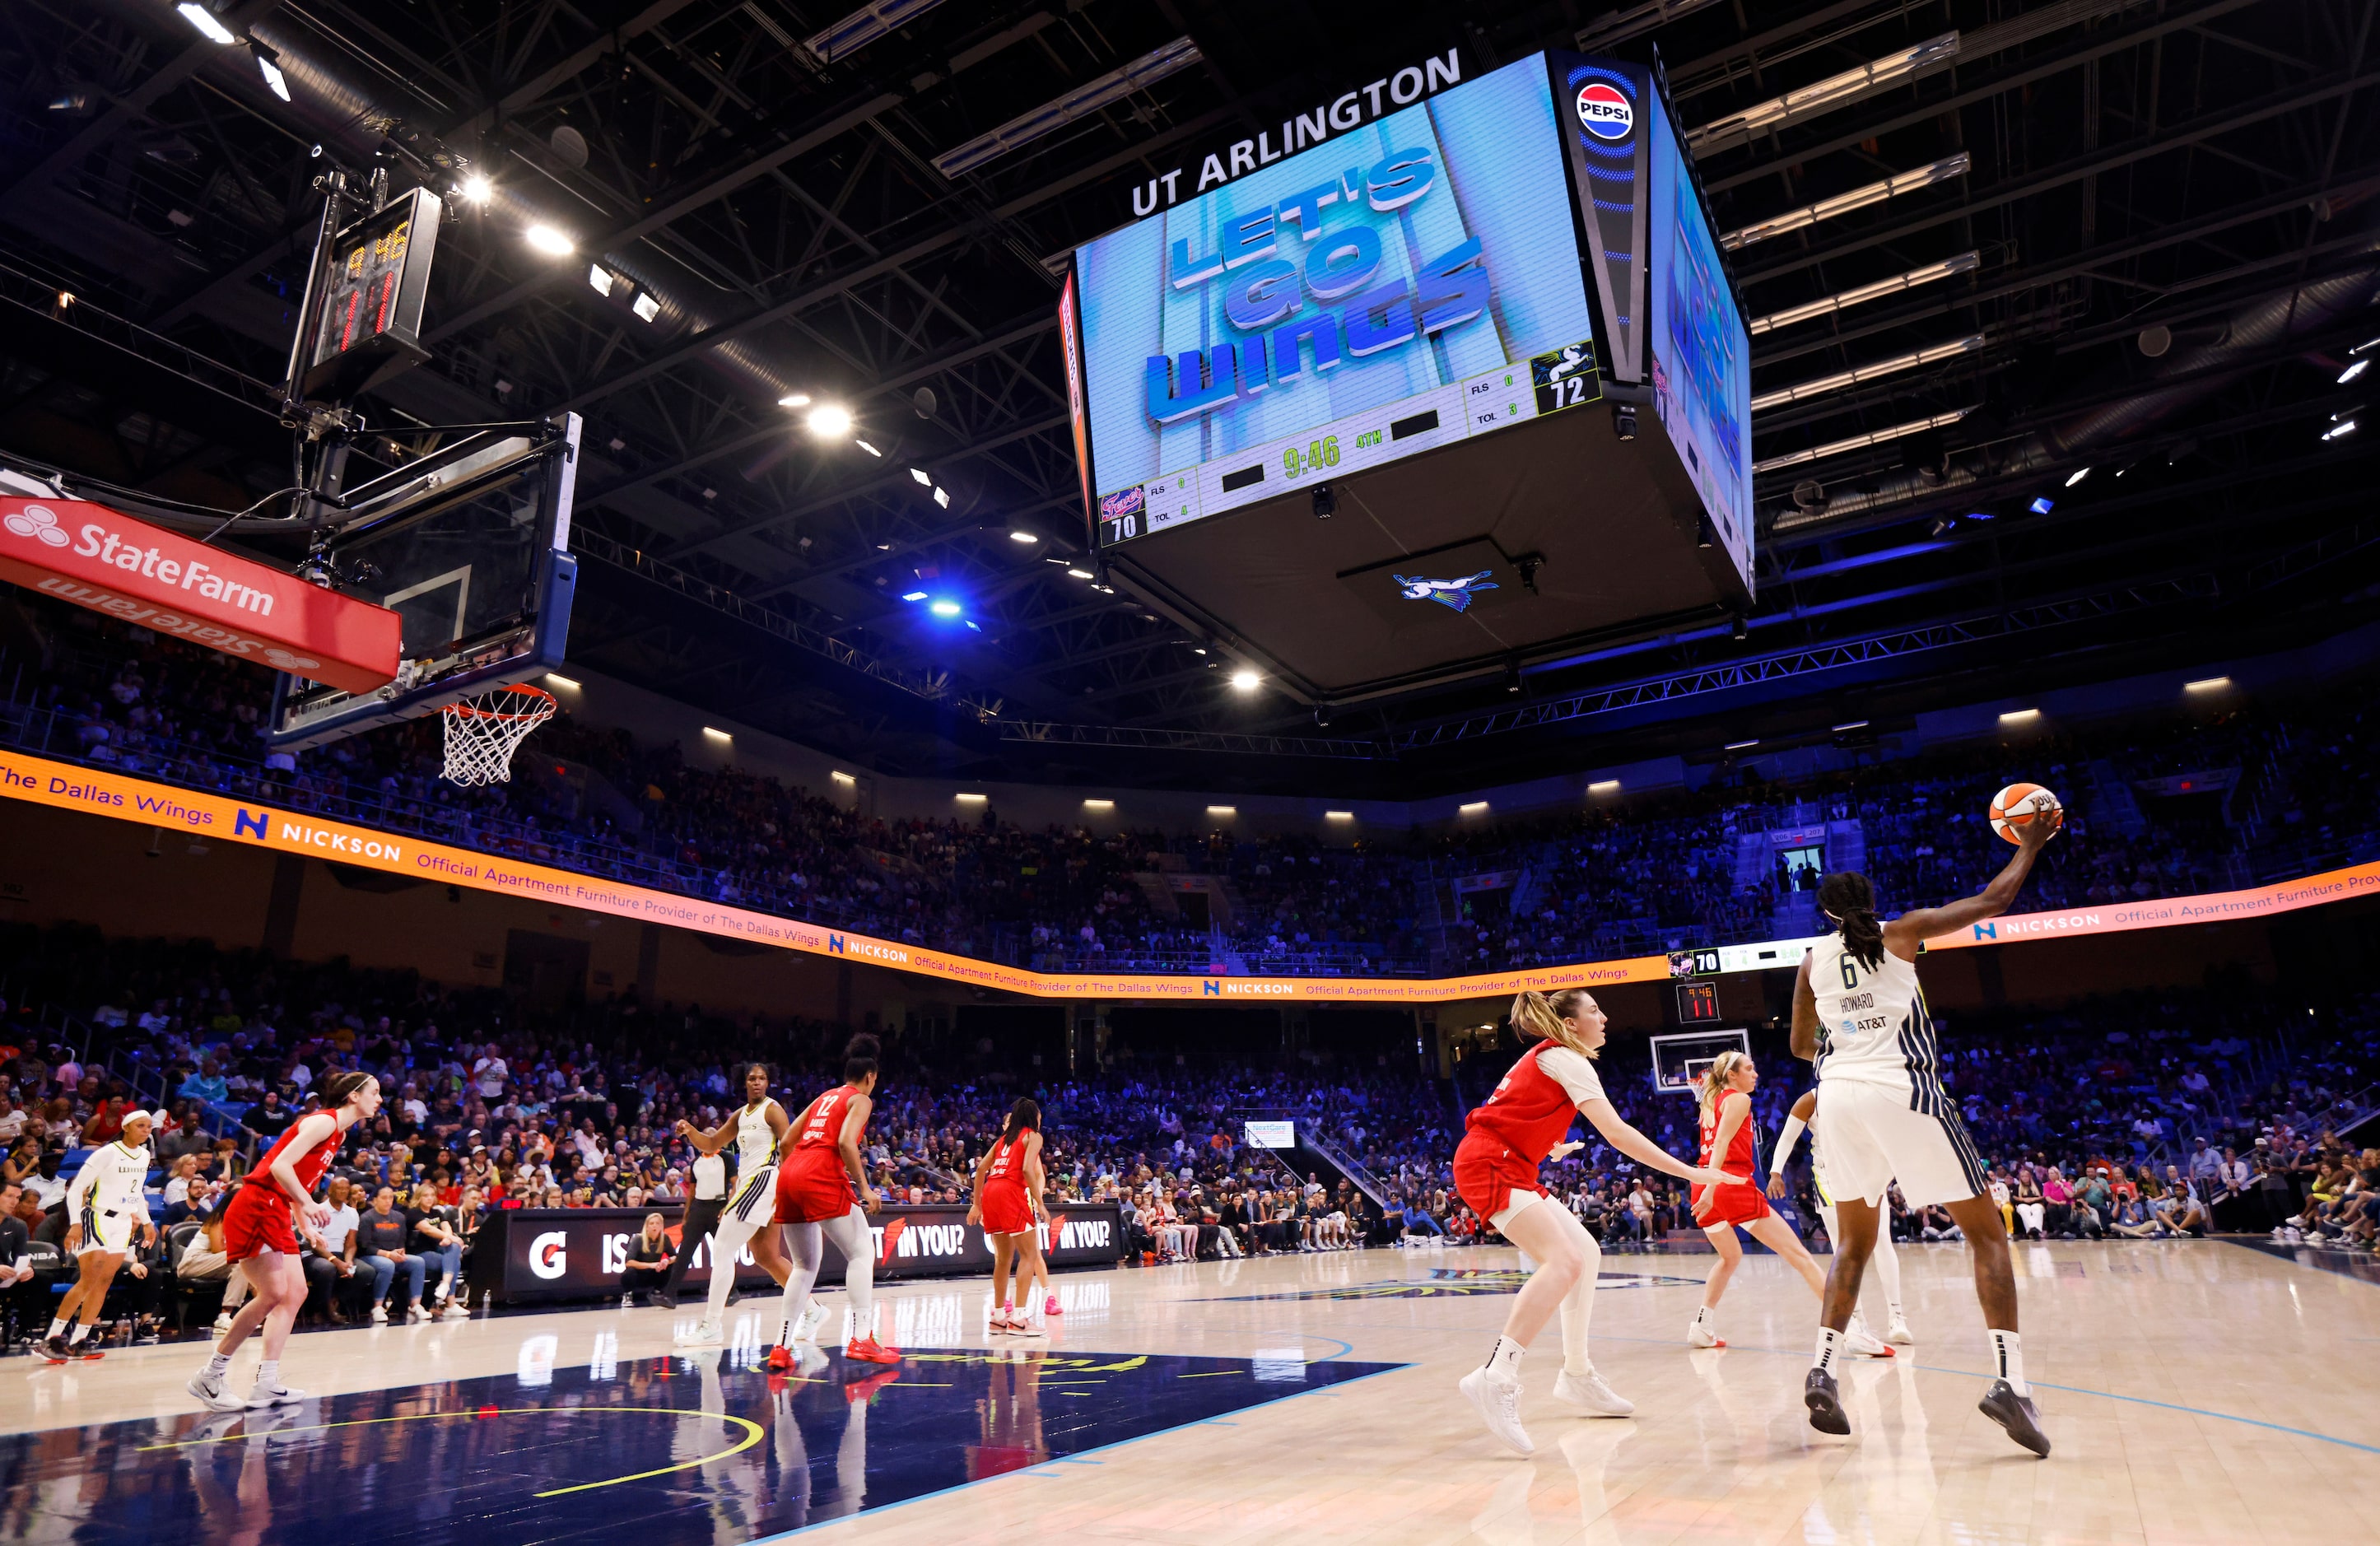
(1663,873)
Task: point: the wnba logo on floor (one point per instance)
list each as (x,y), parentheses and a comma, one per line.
(1604,111)
(549,1255)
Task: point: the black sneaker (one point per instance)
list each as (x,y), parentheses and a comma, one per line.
(2016,1413)
(1826,1406)
(57,1350)
(665,1298)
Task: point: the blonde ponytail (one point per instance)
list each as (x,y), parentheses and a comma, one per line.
(1715,1078)
(1540,1019)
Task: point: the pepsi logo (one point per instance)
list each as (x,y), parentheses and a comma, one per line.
(1604,111)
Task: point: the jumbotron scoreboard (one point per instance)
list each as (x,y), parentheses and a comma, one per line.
(1461,387)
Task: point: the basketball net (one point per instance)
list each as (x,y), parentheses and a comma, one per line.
(483,730)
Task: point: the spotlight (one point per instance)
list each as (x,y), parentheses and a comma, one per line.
(204,20)
(645,306)
(268,63)
(2076,476)
(546,239)
(914,596)
(1080,574)
(944,609)
(477,190)
(1246,681)
(795,399)
(870,449)
(1322,716)
(1623,421)
(829,422)
(2042,506)
(2339,431)
(1022,537)
(2353,371)
(1326,502)
(918,476)
(942,497)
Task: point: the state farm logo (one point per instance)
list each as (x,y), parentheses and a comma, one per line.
(39,522)
(549,1255)
(285,660)
(1604,111)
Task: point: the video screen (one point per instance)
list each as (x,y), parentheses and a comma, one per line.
(1405,283)
(1702,356)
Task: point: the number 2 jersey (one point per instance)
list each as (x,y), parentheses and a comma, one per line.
(1873,1026)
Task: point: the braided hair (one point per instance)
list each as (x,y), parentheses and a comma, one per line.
(1848,898)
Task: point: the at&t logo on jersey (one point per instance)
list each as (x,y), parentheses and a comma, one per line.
(1604,111)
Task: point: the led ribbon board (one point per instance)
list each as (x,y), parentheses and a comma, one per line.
(1410,284)
(100,792)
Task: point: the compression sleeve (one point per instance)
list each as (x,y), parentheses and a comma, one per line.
(1786,1139)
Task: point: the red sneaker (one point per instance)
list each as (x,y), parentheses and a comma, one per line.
(779,1359)
(867,1349)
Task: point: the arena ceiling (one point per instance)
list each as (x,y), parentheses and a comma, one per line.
(2133,237)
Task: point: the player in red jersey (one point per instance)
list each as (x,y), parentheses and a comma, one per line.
(1008,1187)
(260,1224)
(816,1184)
(1725,1087)
(1496,1168)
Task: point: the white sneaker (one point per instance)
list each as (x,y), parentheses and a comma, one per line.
(1497,1402)
(1700,1335)
(223,1323)
(702,1334)
(1857,1337)
(263,1396)
(380,1313)
(456,1310)
(1898,1331)
(1590,1394)
(415,1312)
(813,1319)
(207,1386)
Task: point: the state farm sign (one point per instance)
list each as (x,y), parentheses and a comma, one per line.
(170,584)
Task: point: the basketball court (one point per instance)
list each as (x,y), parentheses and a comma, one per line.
(2197,1390)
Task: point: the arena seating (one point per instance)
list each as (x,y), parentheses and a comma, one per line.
(2268,798)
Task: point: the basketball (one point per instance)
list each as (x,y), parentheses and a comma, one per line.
(2020,804)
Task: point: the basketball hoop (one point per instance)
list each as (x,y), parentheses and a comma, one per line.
(483,730)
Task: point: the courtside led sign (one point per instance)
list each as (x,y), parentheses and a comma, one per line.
(170,584)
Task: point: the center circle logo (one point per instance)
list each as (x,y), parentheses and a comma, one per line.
(1604,111)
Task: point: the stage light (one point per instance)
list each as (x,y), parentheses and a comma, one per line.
(1080,574)
(598,279)
(2020,716)
(2209,684)
(561,681)
(829,422)
(204,20)
(2043,505)
(1338,815)
(1742,746)
(477,190)
(1822,96)
(1844,203)
(1099,805)
(2353,371)
(645,307)
(870,449)
(942,497)
(1742,629)
(1246,681)
(546,239)
(795,399)
(1859,375)
(944,609)
(918,476)
(717,735)
(268,63)
(1604,787)
(1223,810)
(2339,431)
(914,596)
(1861,443)
(2076,476)
(971,800)
(1022,537)
(1475,807)
(1851,724)
(1844,300)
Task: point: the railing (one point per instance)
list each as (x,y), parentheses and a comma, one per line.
(1365,1181)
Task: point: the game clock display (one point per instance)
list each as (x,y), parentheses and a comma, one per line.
(367,323)
(1697,1003)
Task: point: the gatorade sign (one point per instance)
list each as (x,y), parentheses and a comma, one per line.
(170,584)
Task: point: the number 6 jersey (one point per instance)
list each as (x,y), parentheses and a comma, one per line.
(1872,1022)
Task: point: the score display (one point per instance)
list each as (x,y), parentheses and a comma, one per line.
(1410,284)
(367,323)
(1697,1003)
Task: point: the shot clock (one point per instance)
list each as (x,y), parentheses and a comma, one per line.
(1697,1003)
(367,324)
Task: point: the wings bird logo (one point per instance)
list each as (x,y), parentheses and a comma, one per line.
(1456,593)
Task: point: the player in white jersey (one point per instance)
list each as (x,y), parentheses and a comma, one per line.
(757,1129)
(107,1208)
(1888,1262)
(1883,1114)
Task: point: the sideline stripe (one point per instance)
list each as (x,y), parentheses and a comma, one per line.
(753,1434)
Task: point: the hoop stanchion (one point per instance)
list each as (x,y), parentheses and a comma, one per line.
(483,730)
